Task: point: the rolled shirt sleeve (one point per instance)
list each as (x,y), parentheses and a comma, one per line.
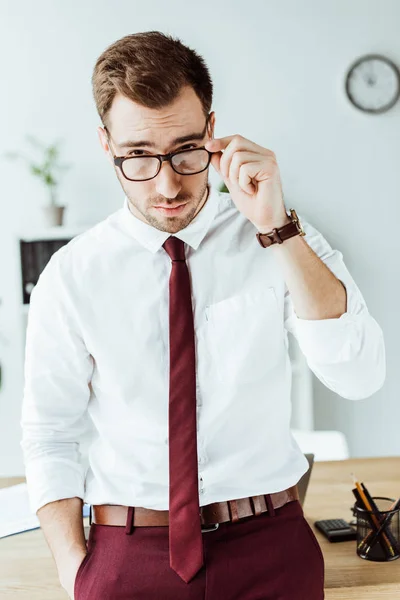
(347,353)
(57,372)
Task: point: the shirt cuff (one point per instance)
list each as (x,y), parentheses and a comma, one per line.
(329,341)
(51,480)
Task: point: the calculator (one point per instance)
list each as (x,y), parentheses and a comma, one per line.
(336,530)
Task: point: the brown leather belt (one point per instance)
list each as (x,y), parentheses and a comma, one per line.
(211,514)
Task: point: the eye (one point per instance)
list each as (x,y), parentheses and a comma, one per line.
(142,152)
(188,146)
(133,153)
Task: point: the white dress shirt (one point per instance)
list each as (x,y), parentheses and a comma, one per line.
(97,349)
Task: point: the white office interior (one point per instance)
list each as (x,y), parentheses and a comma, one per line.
(279,70)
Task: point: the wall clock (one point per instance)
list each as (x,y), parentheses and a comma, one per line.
(373,83)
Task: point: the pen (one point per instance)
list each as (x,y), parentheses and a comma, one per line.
(372,515)
(385,522)
(368,517)
(374,507)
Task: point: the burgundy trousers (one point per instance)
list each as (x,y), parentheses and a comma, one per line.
(265,557)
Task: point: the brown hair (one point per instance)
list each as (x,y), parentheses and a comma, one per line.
(149,68)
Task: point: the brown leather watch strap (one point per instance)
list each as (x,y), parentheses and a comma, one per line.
(279,235)
(217,512)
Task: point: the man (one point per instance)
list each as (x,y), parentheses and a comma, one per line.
(167,329)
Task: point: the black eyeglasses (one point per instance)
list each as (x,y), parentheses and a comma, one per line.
(183,162)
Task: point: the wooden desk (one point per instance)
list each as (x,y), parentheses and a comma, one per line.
(28,571)
(347,576)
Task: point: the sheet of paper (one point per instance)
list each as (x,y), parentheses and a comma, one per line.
(15,513)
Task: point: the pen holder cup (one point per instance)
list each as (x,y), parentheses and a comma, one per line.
(378,531)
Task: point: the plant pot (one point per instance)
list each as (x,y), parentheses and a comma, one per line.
(54,215)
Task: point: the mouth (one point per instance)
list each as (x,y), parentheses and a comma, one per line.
(174,210)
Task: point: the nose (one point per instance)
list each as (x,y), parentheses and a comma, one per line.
(167,181)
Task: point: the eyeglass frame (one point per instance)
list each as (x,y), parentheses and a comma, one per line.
(118,160)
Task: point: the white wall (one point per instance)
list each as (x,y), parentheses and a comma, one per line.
(278,69)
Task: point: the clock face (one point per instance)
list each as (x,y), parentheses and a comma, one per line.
(373,84)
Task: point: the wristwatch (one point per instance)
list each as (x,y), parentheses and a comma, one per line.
(277,236)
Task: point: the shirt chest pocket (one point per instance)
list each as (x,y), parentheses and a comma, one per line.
(244,335)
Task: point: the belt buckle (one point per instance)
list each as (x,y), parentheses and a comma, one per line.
(213,527)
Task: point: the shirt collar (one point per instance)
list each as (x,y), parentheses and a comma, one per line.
(153,239)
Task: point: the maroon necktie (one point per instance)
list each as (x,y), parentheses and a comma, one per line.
(185,536)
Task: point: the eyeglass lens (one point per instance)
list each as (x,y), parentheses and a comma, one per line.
(146,167)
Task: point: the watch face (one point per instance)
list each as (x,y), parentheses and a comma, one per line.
(373,84)
(297,221)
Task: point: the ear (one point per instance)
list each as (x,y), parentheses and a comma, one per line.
(104,143)
(211,124)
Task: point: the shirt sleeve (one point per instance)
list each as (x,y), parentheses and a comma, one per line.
(347,353)
(57,372)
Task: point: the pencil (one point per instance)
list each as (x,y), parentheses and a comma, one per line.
(379,516)
(373,516)
(384,523)
(368,518)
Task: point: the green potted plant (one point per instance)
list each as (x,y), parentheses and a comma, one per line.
(46,169)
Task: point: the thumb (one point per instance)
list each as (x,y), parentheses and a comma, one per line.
(212,146)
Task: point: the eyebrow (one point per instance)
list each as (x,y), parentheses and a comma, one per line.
(178,140)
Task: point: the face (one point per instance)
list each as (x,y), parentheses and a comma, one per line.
(131,122)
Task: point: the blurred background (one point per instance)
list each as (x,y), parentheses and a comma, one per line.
(279,69)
